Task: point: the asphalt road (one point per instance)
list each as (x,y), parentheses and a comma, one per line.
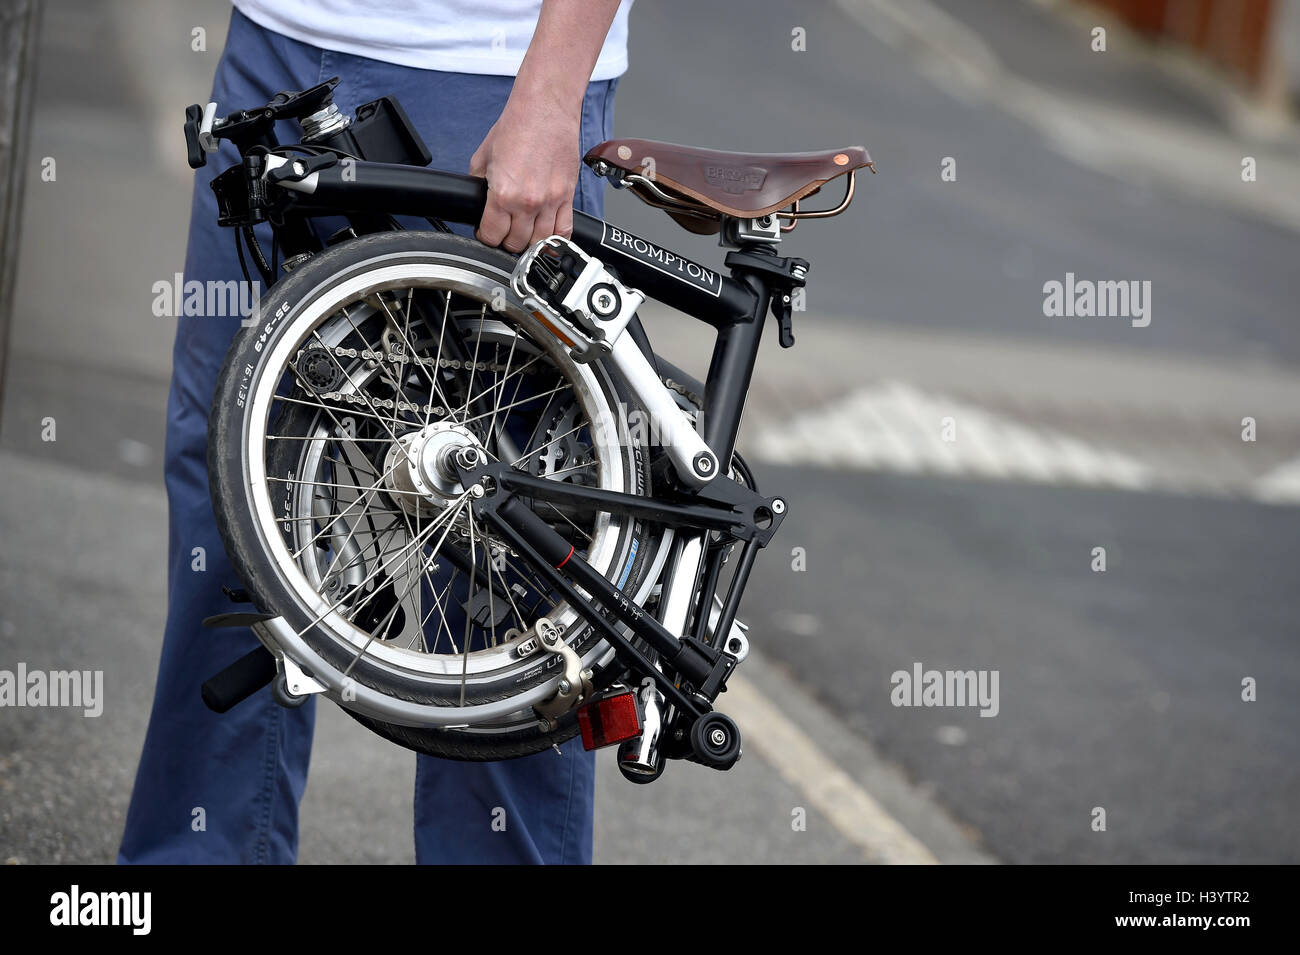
(967,256)
(1119,690)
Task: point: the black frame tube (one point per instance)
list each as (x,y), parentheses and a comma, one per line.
(702,514)
(738,311)
(532,536)
(410,190)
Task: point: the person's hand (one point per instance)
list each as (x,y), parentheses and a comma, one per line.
(531,162)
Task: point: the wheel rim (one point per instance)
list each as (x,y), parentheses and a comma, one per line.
(321,324)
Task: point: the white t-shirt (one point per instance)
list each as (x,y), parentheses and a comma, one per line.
(457,36)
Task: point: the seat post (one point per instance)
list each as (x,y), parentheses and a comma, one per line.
(730,370)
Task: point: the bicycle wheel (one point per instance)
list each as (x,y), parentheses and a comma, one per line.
(330,433)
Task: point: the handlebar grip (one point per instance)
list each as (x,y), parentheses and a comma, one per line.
(240,680)
(196,156)
(406,190)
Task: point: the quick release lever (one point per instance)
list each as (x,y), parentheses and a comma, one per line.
(784,275)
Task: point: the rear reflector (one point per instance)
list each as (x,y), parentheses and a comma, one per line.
(610,720)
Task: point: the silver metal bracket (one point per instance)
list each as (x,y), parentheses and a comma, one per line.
(575,683)
(737,232)
(736,644)
(298,682)
(692,459)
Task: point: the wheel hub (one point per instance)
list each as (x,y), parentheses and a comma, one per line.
(420,468)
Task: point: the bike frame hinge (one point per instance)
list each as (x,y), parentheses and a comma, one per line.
(300,167)
(706,667)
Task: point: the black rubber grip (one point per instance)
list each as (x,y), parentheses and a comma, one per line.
(240,680)
(194,149)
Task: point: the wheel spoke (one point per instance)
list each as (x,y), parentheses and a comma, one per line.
(382,559)
(409,350)
(473,565)
(371,638)
(528,454)
(428,532)
(525,401)
(473,364)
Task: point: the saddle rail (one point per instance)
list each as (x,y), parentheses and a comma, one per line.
(703,188)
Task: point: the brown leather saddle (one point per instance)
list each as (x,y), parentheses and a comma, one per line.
(698,187)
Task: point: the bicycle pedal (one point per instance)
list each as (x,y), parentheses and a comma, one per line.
(575,296)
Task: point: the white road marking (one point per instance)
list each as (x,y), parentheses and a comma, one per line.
(892,426)
(831,791)
(1280,485)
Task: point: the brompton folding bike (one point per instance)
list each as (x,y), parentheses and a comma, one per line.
(465,498)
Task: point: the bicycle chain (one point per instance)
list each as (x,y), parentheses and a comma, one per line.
(671,385)
(398,356)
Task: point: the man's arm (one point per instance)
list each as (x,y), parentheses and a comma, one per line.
(530,156)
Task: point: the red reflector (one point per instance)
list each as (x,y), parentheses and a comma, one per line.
(609,720)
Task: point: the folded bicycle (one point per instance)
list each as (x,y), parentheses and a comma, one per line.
(465,498)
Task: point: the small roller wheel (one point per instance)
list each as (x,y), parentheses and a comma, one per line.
(715,740)
(280,693)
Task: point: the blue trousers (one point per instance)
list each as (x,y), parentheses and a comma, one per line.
(247,769)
